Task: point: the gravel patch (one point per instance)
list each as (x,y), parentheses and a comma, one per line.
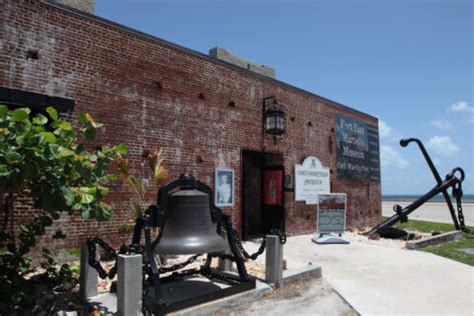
(355,236)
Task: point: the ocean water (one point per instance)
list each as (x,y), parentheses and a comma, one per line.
(467,198)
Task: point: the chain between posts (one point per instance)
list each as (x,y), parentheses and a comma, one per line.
(138,249)
(179,265)
(91,246)
(131,249)
(261,249)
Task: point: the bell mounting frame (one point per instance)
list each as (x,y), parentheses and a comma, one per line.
(156,216)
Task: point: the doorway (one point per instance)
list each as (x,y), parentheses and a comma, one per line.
(262,193)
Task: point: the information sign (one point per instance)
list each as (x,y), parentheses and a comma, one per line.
(331,213)
(311,178)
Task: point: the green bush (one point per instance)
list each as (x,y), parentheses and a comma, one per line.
(42,156)
(76,252)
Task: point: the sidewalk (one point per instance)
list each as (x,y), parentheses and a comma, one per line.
(379,280)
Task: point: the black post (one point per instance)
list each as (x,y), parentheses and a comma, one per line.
(137,231)
(150,258)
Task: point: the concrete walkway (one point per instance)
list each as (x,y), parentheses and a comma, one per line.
(378,280)
(308,297)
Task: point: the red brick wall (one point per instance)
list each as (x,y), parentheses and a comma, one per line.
(146,91)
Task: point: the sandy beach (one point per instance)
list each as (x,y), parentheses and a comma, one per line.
(431,211)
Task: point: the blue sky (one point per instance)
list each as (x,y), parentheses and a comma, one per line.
(410,63)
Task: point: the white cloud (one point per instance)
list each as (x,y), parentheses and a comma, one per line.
(461,106)
(443,146)
(442,125)
(384,130)
(391,159)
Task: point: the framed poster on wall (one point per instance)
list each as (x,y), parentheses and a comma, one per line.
(272,187)
(224,182)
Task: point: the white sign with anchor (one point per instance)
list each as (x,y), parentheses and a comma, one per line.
(311,178)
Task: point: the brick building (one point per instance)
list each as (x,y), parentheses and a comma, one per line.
(205,113)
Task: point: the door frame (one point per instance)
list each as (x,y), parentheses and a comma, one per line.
(263,167)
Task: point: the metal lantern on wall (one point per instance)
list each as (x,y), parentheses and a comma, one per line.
(274,117)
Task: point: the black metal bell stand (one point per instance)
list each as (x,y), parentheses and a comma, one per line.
(157,216)
(188,206)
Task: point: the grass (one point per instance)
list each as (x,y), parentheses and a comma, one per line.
(425,226)
(451,251)
(448,250)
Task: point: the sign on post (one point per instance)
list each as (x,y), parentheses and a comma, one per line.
(311,178)
(331,213)
(331,219)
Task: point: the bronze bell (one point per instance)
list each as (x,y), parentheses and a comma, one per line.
(189,228)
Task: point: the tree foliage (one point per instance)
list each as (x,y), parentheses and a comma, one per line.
(42,156)
(160,176)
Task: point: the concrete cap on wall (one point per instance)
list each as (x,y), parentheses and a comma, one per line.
(83,5)
(225,55)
